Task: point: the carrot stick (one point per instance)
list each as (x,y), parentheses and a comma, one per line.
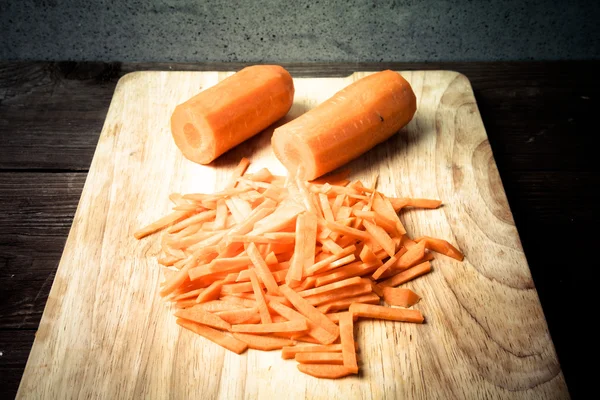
(196,219)
(331,246)
(212,292)
(441,246)
(399,203)
(296,269)
(289,352)
(361,288)
(310,239)
(240,316)
(347,340)
(331,286)
(160,224)
(344,304)
(400,297)
(314,331)
(188,294)
(388,313)
(320,358)
(262,269)
(288,326)
(408,275)
(335,317)
(347,271)
(414,254)
(381,236)
(265,316)
(311,312)
(203,317)
(325,371)
(218,337)
(344,230)
(262,342)
(324,263)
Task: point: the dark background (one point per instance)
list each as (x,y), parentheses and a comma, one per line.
(540,116)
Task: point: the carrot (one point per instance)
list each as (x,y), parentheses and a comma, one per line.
(265,316)
(240,316)
(212,292)
(383,207)
(331,286)
(203,317)
(408,274)
(441,246)
(218,337)
(400,297)
(361,288)
(347,339)
(347,271)
(310,312)
(414,254)
(314,331)
(335,316)
(344,304)
(399,203)
(325,371)
(346,125)
(290,352)
(324,263)
(288,326)
(263,269)
(262,342)
(233,110)
(391,314)
(196,219)
(320,358)
(381,236)
(160,224)
(296,269)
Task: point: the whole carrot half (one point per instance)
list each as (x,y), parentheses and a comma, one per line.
(235,109)
(354,120)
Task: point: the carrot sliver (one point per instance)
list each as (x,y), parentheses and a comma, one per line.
(443,247)
(203,317)
(399,203)
(310,312)
(218,337)
(265,316)
(310,239)
(262,269)
(289,352)
(400,297)
(212,292)
(414,254)
(335,317)
(262,342)
(196,219)
(385,267)
(388,313)
(240,316)
(408,275)
(344,304)
(288,326)
(238,172)
(381,236)
(314,331)
(160,224)
(361,288)
(325,371)
(331,286)
(320,358)
(325,262)
(347,340)
(326,207)
(296,269)
(331,246)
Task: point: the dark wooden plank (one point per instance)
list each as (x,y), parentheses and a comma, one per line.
(15,346)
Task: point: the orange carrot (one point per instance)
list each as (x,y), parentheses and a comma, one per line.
(391,314)
(399,203)
(442,247)
(355,123)
(218,337)
(160,224)
(324,263)
(288,326)
(331,286)
(262,342)
(325,371)
(320,358)
(235,109)
(400,297)
(200,316)
(347,340)
(361,288)
(314,331)
(296,269)
(265,316)
(262,269)
(344,304)
(311,312)
(212,292)
(240,316)
(408,274)
(290,352)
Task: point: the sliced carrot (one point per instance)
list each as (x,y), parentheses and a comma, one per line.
(240,316)
(347,340)
(344,304)
(414,254)
(400,297)
(335,316)
(314,330)
(347,271)
(384,208)
(218,337)
(203,317)
(188,294)
(331,246)
(290,352)
(320,358)
(399,203)
(381,236)
(296,269)
(408,275)
(376,288)
(212,292)
(288,326)
(262,269)
(331,286)
(325,262)
(310,239)
(325,371)
(160,224)
(263,342)
(310,312)
(361,288)
(196,219)
(441,246)
(388,313)
(265,316)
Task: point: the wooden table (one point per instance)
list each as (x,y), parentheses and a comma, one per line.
(538,117)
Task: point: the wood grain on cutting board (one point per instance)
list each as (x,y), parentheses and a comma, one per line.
(106,333)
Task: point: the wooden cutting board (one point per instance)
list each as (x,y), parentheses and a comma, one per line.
(105,333)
